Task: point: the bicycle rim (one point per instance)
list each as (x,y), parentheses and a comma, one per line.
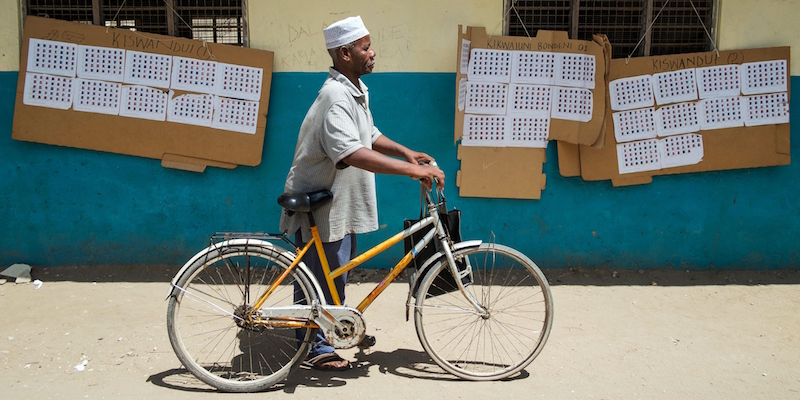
(202,321)
(485,347)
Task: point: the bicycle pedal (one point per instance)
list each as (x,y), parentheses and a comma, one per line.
(367,342)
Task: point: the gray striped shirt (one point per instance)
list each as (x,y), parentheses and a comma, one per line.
(338,123)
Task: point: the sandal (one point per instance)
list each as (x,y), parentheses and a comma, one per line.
(324,362)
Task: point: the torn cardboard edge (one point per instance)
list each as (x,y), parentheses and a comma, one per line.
(724,149)
(501,172)
(133,136)
(177,161)
(586,133)
(569,161)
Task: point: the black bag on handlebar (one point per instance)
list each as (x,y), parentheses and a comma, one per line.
(452,223)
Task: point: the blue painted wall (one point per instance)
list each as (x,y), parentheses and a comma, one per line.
(63,206)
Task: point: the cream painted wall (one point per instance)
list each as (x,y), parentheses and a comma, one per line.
(408,35)
(9,35)
(747,24)
(419,35)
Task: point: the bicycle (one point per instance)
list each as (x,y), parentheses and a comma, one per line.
(235,308)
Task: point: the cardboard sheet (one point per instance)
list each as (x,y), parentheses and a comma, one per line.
(558,85)
(146,131)
(579,131)
(732,144)
(501,172)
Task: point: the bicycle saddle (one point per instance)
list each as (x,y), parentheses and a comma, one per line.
(305,202)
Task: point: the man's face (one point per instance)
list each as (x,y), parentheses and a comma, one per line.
(362,56)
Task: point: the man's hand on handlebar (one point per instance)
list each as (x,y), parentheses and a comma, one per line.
(416,157)
(429,173)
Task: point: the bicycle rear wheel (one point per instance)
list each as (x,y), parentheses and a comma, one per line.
(471,346)
(207,333)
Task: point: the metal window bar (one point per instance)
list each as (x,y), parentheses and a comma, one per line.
(536,15)
(69,10)
(219,21)
(147,15)
(677,30)
(621,21)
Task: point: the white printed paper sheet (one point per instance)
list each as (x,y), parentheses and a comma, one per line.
(575,70)
(675,86)
(52,58)
(462,94)
(484,130)
(505,131)
(533,67)
(764,77)
(143,102)
(147,69)
(718,81)
(676,119)
(528,132)
(96,96)
(638,156)
(101,63)
(720,113)
(766,109)
(634,125)
(193,75)
(239,81)
(681,150)
(573,104)
(193,109)
(489,66)
(235,115)
(656,154)
(486,98)
(47,91)
(531,100)
(630,93)
(463,67)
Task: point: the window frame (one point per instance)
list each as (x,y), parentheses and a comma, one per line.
(645,47)
(172,22)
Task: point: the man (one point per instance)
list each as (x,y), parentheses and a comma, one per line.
(340,149)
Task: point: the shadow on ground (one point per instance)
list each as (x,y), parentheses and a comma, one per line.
(406,363)
(571,276)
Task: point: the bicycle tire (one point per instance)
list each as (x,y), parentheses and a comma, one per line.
(517,297)
(204,333)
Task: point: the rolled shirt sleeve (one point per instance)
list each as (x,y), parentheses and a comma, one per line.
(341,137)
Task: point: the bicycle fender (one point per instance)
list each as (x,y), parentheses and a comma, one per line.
(288,256)
(413,283)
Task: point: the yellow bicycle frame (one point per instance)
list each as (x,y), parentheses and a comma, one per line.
(355,262)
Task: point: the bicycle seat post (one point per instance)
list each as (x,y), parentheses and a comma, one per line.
(311,221)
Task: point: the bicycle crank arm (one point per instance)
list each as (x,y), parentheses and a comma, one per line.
(343,327)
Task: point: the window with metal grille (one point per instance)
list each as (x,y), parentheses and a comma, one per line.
(674,26)
(219,21)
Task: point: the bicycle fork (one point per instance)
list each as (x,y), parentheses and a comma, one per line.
(447,248)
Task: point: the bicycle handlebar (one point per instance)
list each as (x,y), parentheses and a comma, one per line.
(431,163)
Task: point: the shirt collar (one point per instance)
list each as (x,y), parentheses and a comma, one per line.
(339,77)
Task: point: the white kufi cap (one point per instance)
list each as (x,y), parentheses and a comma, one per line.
(345,31)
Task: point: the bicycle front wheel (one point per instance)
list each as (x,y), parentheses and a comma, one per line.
(499,343)
(206,329)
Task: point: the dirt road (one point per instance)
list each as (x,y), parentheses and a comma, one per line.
(616,335)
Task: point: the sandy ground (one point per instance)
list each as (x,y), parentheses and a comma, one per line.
(616,335)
